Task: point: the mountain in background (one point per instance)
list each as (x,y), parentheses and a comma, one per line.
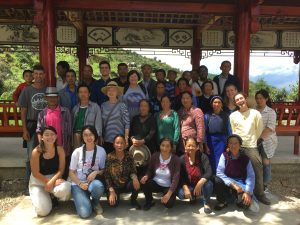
(279,80)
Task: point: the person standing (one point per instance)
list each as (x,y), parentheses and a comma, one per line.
(61,67)
(133,93)
(68,95)
(147,81)
(32,101)
(122,80)
(226,78)
(268,139)
(248,124)
(103,81)
(59,118)
(115,116)
(27,76)
(85,113)
(156,101)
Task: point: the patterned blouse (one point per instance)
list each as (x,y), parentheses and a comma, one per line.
(118,173)
(192,123)
(269,120)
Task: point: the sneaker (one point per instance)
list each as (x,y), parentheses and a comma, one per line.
(97,209)
(254,207)
(263,199)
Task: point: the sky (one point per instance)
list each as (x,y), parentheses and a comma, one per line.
(277,71)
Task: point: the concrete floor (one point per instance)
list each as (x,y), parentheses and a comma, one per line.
(182,213)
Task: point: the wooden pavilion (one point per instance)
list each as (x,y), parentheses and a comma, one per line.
(194,25)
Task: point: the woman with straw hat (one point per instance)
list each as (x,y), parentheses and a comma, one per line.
(115,116)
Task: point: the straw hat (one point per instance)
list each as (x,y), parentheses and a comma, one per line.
(141,155)
(113,84)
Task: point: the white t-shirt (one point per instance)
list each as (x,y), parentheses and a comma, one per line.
(163,174)
(77,162)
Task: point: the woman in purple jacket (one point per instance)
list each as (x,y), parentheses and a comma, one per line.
(162,175)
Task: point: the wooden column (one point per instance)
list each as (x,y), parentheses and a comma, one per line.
(297,61)
(82,51)
(242,44)
(45,21)
(246,22)
(196,50)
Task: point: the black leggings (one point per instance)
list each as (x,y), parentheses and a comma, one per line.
(151,186)
(126,189)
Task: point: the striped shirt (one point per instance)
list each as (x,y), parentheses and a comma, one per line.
(117,122)
(269,120)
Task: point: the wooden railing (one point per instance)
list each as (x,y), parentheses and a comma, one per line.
(10,119)
(288,122)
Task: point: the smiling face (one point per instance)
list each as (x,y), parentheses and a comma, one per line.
(119,144)
(104,70)
(146,70)
(182,85)
(208,89)
(191,146)
(87,72)
(123,71)
(49,137)
(28,77)
(88,137)
(112,92)
(160,76)
(38,76)
(230,91)
(240,100)
(133,79)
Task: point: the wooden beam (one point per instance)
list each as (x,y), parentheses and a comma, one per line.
(176,7)
(280,10)
(16,4)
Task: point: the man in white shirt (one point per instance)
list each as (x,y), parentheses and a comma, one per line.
(61,67)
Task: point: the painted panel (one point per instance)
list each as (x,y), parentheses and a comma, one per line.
(66,35)
(180,38)
(290,39)
(139,37)
(19,34)
(212,38)
(99,36)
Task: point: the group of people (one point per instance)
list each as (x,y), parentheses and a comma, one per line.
(200,135)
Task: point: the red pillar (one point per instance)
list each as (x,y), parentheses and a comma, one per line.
(242,44)
(196,50)
(82,51)
(297,61)
(47,35)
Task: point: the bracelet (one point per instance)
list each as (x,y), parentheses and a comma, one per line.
(79,184)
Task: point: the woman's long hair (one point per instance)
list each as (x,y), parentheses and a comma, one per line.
(41,147)
(266,95)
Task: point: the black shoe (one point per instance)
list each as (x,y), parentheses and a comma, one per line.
(148,206)
(26,192)
(207,210)
(136,205)
(263,199)
(54,202)
(220,206)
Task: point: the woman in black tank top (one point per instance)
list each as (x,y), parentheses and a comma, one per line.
(47,167)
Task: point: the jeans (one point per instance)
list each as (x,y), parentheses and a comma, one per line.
(267,174)
(83,204)
(207,190)
(31,144)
